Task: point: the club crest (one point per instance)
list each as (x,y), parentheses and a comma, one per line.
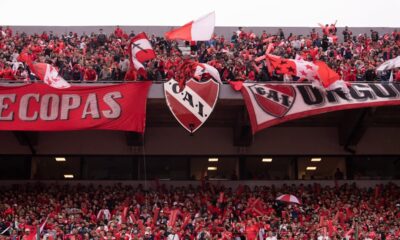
(275,100)
(194,105)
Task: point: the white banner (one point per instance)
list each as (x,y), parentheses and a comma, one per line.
(271,104)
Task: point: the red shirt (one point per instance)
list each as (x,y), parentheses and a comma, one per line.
(8,74)
(90,74)
(131,75)
(119,32)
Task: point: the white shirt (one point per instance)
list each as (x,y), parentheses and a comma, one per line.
(323,238)
(271,238)
(173,237)
(123,65)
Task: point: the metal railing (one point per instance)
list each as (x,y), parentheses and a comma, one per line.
(4,81)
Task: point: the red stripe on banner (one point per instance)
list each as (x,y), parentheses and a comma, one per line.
(271,106)
(204,90)
(182,114)
(38,107)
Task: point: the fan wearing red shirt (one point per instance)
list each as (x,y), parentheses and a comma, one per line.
(119,32)
(8,74)
(90,74)
(251,230)
(131,74)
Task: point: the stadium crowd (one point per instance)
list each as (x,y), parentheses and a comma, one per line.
(100,57)
(203,212)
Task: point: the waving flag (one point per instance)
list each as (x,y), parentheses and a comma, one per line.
(390,64)
(139,67)
(45,72)
(198,30)
(329,78)
(202,68)
(317,72)
(300,68)
(49,75)
(141,48)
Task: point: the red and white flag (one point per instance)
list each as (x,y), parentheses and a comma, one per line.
(198,30)
(141,49)
(44,71)
(299,68)
(202,68)
(139,67)
(288,198)
(317,72)
(330,79)
(49,75)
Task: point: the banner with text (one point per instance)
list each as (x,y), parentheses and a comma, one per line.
(272,104)
(38,107)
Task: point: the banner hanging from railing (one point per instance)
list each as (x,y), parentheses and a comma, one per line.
(271,104)
(38,107)
(194,104)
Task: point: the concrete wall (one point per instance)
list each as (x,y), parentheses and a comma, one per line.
(206,141)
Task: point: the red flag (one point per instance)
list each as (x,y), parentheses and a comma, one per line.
(256,207)
(221,197)
(236,85)
(124,214)
(155,216)
(173,217)
(326,74)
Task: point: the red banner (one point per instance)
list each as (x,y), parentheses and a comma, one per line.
(38,107)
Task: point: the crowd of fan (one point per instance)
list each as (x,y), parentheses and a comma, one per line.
(203,212)
(100,57)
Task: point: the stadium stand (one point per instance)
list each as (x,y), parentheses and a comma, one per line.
(206,211)
(340,210)
(101,57)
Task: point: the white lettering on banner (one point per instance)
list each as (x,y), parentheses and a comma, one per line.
(91,108)
(271,104)
(51,107)
(115,108)
(68,103)
(190,100)
(24,107)
(4,105)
